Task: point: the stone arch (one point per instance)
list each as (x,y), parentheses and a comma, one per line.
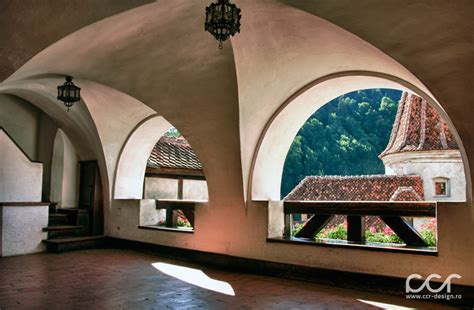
(275,140)
(98,125)
(132,163)
(133,157)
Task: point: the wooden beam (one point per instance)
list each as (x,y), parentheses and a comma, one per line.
(356,228)
(314,225)
(360,208)
(405,231)
(175,173)
(180,188)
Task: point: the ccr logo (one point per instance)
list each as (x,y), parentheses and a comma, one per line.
(446,283)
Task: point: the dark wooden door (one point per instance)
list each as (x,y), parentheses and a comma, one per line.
(90,195)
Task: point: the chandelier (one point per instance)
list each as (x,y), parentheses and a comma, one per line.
(69,93)
(222,20)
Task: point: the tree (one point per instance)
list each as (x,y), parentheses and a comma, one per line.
(344,137)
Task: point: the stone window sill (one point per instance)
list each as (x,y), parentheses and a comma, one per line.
(352,245)
(169,229)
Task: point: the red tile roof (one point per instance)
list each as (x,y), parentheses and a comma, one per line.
(359,188)
(170,152)
(418,127)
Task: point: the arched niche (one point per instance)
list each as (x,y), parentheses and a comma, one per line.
(134,155)
(131,167)
(64,172)
(267,163)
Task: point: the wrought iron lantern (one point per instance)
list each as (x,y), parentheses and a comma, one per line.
(69,93)
(222,20)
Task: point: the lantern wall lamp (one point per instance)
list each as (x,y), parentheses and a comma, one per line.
(222,20)
(69,93)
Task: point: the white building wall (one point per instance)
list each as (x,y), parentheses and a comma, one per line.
(431,165)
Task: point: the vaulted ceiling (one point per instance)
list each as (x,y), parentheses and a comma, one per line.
(158,53)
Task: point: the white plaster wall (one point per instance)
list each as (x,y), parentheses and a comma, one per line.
(149,215)
(22,229)
(430,165)
(46,136)
(195,190)
(131,165)
(20,179)
(20,120)
(247,238)
(64,172)
(161,188)
(167,188)
(125,225)
(276,219)
(70,175)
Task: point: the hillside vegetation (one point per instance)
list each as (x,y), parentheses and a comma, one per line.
(344,137)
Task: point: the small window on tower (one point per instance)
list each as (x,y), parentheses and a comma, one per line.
(441,187)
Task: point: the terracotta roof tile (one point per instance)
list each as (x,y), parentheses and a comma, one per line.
(173,152)
(418,127)
(358,188)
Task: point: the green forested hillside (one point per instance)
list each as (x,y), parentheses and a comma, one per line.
(344,137)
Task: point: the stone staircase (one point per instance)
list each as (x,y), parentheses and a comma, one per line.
(68,229)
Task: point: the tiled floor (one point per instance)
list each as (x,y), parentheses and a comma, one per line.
(122,279)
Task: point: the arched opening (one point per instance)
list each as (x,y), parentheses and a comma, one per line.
(373,145)
(159,168)
(264,181)
(418,132)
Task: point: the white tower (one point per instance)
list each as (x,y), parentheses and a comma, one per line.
(421,144)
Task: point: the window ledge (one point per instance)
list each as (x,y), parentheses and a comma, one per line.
(169,229)
(352,245)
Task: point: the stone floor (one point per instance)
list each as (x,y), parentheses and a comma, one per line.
(123,279)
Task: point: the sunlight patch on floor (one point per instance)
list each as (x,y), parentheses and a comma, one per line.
(195,277)
(382,305)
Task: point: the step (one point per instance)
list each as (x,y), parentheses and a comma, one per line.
(52,207)
(63,244)
(62,228)
(58,219)
(69,210)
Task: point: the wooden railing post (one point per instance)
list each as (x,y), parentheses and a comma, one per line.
(287,232)
(356,228)
(171,217)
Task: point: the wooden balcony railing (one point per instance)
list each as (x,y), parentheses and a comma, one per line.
(390,212)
